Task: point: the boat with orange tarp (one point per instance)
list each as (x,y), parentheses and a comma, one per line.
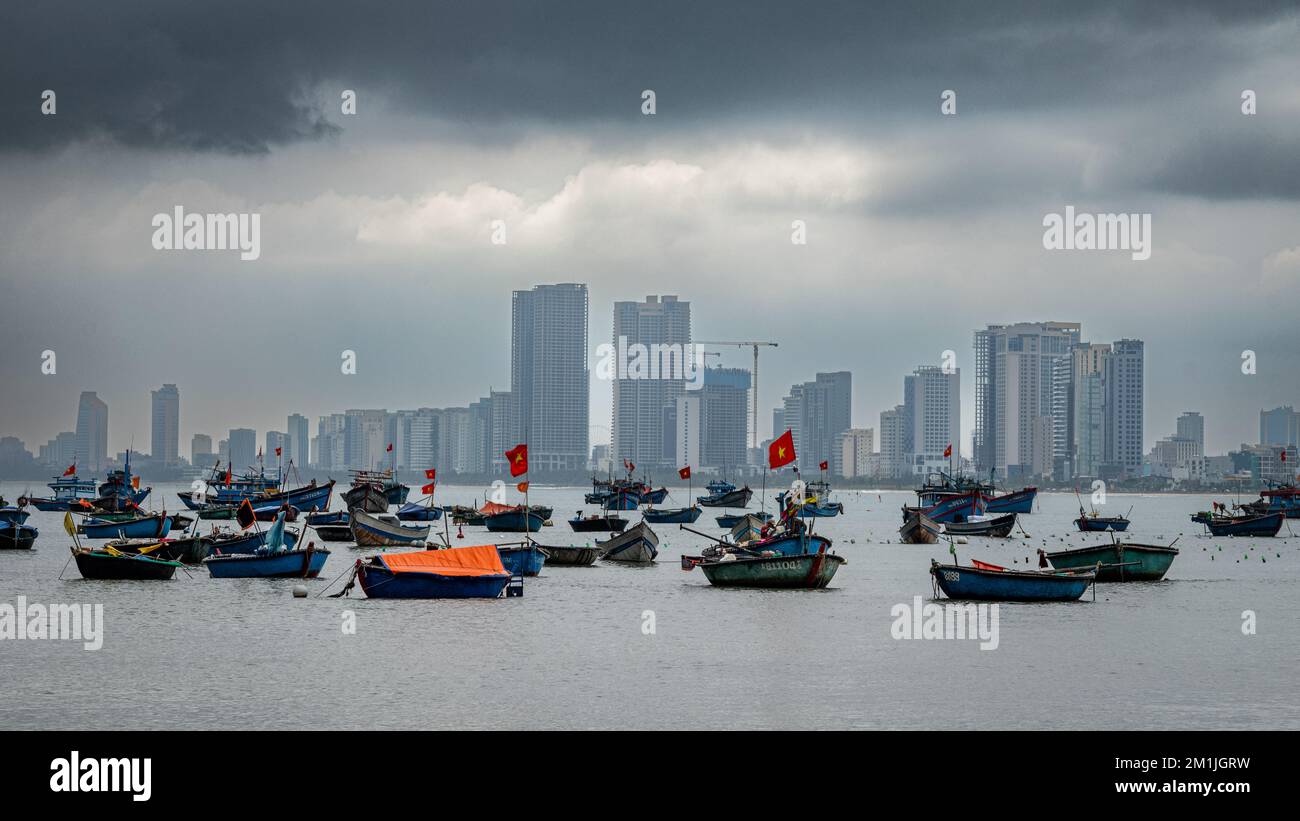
(448,573)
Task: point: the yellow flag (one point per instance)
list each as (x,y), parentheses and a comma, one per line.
(69,526)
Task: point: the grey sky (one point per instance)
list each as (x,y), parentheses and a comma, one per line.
(375,227)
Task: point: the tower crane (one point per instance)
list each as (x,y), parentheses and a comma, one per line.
(755,345)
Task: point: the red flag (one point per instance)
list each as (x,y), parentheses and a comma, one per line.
(631,466)
(427,489)
(72,470)
(431,473)
(390,447)
(947,452)
(1283,454)
(135,482)
(824,465)
(228,477)
(781,451)
(518,459)
(685,472)
(277,451)
(522,487)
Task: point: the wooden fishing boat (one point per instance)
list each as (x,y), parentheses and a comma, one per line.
(748,528)
(309,497)
(1266,525)
(673,516)
(994,527)
(637,545)
(181,521)
(654,497)
(988,582)
(724,494)
(729,520)
(622,500)
(69,491)
(16,536)
(522,558)
(463,515)
(304,563)
(450,573)
(111,564)
(569,555)
(512,519)
(10,515)
(334,533)
(956,507)
(186,551)
(366,497)
(216,512)
(224,544)
(1119,561)
(807,571)
(1017,501)
(597,524)
(1092,523)
(369,530)
(919,529)
(143,527)
(816,503)
(329,517)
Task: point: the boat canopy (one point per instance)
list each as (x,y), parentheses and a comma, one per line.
(493,508)
(477,560)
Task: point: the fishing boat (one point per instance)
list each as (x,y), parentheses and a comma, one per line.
(110,564)
(569,555)
(309,497)
(1118,561)
(10,514)
(464,515)
(638,545)
(919,529)
(499,518)
(450,573)
(1016,501)
(369,530)
(817,502)
(994,527)
(935,490)
(1248,525)
(17,536)
(724,494)
(522,558)
(216,512)
(416,512)
(335,533)
(120,491)
(142,527)
(330,517)
(186,551)
(956,507)
(982,581)
(68,492)
(672,516)
(809,571)
(274,560)
(654,497)
(748,528)
(181,521)
(729,520)
(622,500)
(1092,523)
(1277,497)
(603,523)
(224,487)
(367,498)
(225,543)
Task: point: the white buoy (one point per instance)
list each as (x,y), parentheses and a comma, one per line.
(962,540)
(300,591)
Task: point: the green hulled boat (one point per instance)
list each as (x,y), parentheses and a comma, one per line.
(805,571)
(219,512)
(1118,561)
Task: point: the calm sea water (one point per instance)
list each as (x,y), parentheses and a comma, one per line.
(205,653)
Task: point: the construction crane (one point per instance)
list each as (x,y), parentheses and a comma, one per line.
(753,442)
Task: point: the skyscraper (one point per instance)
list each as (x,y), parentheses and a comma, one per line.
(298,444)
(201,453)
(641,403)
(856,446)
(1125,391)
(1280,426)
(712,423)
(893,433)
(1088,414)
(548,375)
(243,448)
(817,413)
(932,406)
(92,432)
(1014,373)
(166,428)
(1191,426)
(365,439)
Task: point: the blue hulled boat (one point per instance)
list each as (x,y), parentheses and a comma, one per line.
(1100,524)
(383,530)
(729,520)
(655,497)
(672,516)
(332,517)
(622,500)
(1267,525)
(817,501)
(246,542)
(146,527)
(308,498)
(69,492)
(15,536)
(638,544)
(957,507)
(988,582)
(523,559)
(1017,501)
(513,520)
(724,494)
(416,512)
(451,573)
(11,514)
(273,560)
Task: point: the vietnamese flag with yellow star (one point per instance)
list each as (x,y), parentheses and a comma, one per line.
(781,451)
(518,459)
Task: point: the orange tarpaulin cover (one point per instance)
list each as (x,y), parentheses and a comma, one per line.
(985,565)
(493,508)
(452,561)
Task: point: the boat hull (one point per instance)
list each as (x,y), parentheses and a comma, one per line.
(639,545)
(369,531)
(514,521)
(151,527)
(1118,562)
(13,514)
(809,571)
(289,564)
(419,513)
(1267,525)
(734,498)
(308,498)
(1098,524)
(1008,585)
(522,561)
(1017,501)
(626,500)
(334,533)
(97,565)
(17,537)
(247,543)
(996,528)
(685,515)
(599,524)
(381,583)
(366,498)
(919,529)
(569,556)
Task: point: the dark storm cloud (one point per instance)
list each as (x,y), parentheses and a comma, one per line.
(240,77)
